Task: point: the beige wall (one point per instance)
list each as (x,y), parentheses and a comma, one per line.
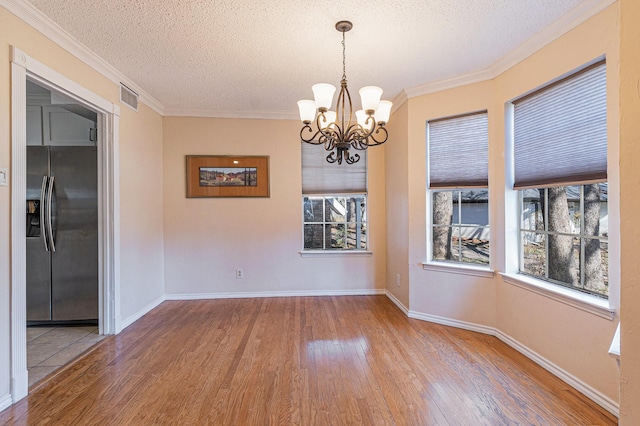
(206,239)
(570,338)
(573,339)
(629,208)
(140,156)
(396,162)
(141,237)
(448,295)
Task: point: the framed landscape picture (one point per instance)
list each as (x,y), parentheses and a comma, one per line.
(227,176)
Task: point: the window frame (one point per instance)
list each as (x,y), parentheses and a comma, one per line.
(581,235)
(460,225)
(358,222)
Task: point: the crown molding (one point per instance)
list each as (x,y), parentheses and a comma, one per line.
(210,113)
(449,83)
(43,24)
(566,23)
(400,99)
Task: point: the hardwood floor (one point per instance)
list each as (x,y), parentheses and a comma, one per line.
(301,360)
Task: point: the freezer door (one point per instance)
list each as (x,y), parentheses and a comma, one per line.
(38,265)
(74,264)
(38,281)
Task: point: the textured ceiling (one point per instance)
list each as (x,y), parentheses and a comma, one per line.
(255,58)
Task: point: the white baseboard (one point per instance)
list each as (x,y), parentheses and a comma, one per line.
(5,402)
(596,396)
(453,323)
(397,302)
(262,294)
(599,398)
(135,317)
(20,385)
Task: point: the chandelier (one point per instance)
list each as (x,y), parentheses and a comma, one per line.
(337,130)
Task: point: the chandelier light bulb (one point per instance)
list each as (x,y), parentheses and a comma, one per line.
(361,118)
(383,112)
(370,96)
(323,94)
(307,110)
(330,118)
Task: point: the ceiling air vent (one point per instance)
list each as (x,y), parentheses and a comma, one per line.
(128,97)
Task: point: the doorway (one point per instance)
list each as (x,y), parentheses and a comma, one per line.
(62,231)
(24,68)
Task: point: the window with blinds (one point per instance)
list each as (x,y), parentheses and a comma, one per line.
(560,172)
(560,132)
(334,201)
(458,158)
(459,151)
(321,177)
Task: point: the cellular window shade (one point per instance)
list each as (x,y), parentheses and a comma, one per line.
(322,177)
(459,152)
(560,132)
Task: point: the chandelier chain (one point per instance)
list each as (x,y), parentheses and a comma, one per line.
(344,61)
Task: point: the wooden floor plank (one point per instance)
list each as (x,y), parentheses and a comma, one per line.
(301,361)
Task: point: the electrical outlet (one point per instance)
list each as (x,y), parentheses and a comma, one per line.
(398,279)
(239,274)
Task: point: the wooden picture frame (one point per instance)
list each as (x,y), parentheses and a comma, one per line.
(227,176)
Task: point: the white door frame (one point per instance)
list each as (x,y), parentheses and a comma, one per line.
(23,66)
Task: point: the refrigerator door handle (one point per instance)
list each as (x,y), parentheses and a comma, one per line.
(43,227)
(49,227)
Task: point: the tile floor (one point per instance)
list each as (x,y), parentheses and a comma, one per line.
(49,348)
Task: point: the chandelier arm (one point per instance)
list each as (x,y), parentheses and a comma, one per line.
(343,97)
(360,145)
(350,105)
(340,106)
(363,131)
(342,154)
(355,135)
(384,135)
(329,143)
(321,117)
(373,124)
(352,159)
(333,133)
(312,140)
(334,156)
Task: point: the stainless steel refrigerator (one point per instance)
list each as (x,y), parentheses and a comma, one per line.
(62,234)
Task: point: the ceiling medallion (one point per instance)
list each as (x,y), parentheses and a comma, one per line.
(337,130)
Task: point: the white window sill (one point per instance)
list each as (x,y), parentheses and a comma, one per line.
(583,301)
(454,268)
(335,253)
(614,349)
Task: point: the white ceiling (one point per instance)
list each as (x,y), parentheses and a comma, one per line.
(256,58)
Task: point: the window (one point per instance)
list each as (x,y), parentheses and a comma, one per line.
(335,222)
(466,238)
(458,182)
(560,172)
(334,201)
(566,243)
